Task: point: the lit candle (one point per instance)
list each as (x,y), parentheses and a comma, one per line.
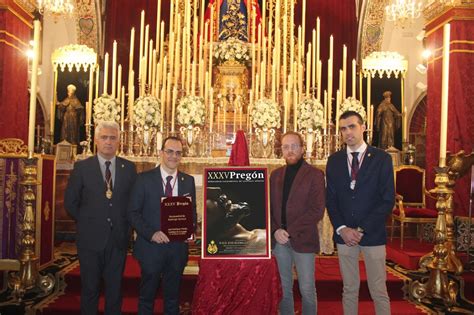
(444,96)
(132,47)
(369,83)
(106,69)
(308,69)
(344,72)
(119,80)
(173,108)
(158,20)
(163,100)
(313,59)
(122,112)
(320,65)
(91,88)
(353,78)
(97,73)
(211,109)
(142,30)
(114,68)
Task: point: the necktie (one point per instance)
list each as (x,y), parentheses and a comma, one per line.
(108,175)
(168,187)
(354,165)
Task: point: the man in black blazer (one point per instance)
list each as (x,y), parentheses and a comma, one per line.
(360,196)
(96,197)
(159,257)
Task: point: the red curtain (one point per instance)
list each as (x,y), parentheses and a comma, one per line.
(461,94)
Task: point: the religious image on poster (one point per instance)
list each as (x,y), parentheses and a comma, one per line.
(236,219)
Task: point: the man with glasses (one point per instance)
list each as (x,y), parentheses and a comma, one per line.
(160,259)
(297,193)
(96,197)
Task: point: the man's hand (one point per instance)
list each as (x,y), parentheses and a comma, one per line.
(350,236)
(282,236)
(160,238)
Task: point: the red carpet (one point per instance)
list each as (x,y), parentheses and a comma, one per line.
(411,253)
(328,285)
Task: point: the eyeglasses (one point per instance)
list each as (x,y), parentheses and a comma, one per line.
(292,147)
(173,152)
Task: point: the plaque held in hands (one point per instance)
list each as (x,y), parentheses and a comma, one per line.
(177,218)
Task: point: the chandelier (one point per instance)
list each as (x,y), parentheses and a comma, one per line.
(403,12)
(55,8)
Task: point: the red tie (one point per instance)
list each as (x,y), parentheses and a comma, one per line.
(355,165)
(168,187)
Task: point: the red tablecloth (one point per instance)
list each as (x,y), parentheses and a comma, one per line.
(237,287)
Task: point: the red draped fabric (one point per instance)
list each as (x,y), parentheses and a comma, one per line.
(237,287)
(461,94)
(15,33)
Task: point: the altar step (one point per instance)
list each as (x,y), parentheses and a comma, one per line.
(328,286)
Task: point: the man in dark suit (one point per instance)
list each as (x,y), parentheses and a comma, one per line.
(96,197)
(158,257)
(360,196)
(297,195)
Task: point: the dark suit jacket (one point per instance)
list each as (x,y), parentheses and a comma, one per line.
(372,200)
(144,208)
(304,208)
(98,218)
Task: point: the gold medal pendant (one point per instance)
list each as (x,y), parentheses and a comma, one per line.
(108,194)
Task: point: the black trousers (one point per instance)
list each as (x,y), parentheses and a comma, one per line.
(167,264)
(107,264)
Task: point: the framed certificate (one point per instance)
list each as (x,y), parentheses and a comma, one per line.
(236,218)
(177,218)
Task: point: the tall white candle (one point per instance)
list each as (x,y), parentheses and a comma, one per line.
(444,96)
(353,78)
(34,88)
(114,68)
(106,69)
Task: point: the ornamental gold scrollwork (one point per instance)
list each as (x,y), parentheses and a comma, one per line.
(10,191)
(13,147)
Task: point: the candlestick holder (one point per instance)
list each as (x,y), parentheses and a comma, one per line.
(122,140)
(438,285)
(130,152)
(28,277)
(89,140)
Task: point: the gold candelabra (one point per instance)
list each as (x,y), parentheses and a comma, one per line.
(28,276)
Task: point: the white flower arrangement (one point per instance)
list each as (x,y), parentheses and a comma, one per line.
(310,114)
(191,111)
(147,112)
(106,108)
(352,104)
(232,49)
(265,114)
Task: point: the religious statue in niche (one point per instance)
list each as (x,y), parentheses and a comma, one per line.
(71,115)
(233,23)
(388,120)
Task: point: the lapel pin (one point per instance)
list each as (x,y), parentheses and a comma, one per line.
(182,178)
(369,155)
(123,166)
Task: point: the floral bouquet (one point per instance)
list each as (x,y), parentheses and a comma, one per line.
(265,114)
(146,112)
(191,111)
(310,114)
(232,49)
(106,108)
(352,104)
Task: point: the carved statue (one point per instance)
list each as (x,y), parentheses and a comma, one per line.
(71,115)
(388,120)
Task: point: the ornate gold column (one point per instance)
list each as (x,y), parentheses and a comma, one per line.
(28,276)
